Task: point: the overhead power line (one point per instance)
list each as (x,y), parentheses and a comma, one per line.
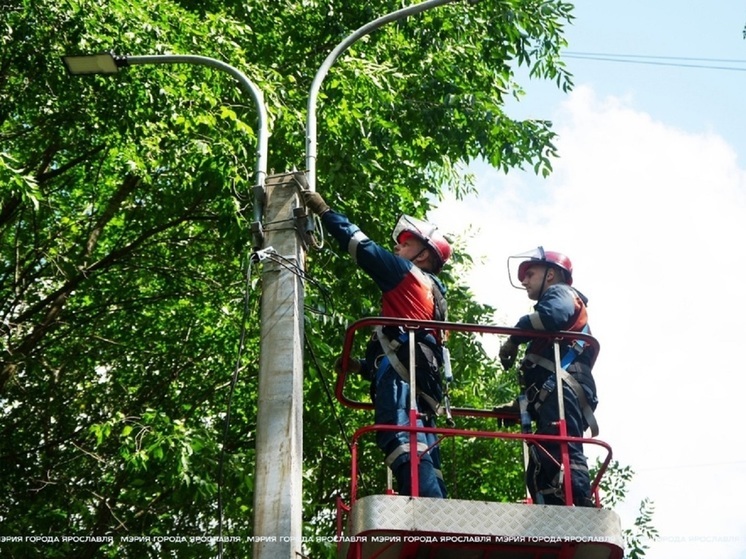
(688,466)
(676,61)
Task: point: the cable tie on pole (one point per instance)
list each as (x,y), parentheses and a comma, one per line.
(263,254)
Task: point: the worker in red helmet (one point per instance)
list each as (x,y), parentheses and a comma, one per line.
(547,278)
(407,277)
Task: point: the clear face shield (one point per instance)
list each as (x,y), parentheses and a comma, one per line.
(518,263)
(411,224)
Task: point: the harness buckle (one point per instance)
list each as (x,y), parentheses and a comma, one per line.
(577,346)
(532,393)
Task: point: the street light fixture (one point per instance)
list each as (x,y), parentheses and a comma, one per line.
(281,335)
(104,63)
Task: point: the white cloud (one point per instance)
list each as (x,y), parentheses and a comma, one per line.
(653,218)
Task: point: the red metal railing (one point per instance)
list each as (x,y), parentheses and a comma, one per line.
(411,325)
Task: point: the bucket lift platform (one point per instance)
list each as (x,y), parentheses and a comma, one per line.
(399,527)
(390,526)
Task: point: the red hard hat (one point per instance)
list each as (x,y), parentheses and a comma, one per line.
(428,234)
(548,257)
(441,247)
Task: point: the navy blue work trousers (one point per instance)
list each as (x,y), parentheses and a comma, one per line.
(543,472)
(392,408)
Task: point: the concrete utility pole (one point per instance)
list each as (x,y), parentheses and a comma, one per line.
(278,485)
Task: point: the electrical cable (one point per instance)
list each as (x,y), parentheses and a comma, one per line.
(649,56)
(675,61)
(330,398)
(329,395)
(294,268)
(234,380)
(318,226)
(291,266)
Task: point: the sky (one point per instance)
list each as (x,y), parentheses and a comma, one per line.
(648,198)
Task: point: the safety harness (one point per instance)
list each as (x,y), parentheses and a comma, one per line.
(550,384)
(391,346)
(390,357)
(553,491)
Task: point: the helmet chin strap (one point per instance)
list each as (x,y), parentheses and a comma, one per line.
(416,256)
(543,282)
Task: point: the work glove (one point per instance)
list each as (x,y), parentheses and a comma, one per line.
(312,200)
(508,353)
(510,414)
(315,202)
(354,366)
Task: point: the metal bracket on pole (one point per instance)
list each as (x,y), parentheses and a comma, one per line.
(303,226)
(257,235)
(257,231)
(265,253)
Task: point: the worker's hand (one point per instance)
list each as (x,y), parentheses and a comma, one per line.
(509,414)
(508,353)
(354,366)
(315,202)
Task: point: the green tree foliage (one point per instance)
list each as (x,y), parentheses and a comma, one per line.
(614,489)
(125,283)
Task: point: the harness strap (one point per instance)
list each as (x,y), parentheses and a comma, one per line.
(555,486)
(575,349)
(568,379)
(403,449)
(389,349)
